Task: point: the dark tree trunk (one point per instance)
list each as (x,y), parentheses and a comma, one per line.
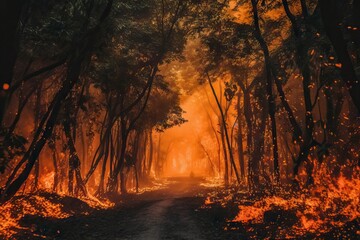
(259,132)
(240,140)
(35,149)
(297,132)
(334,103)
(21,107)
(52,147)
(226,161)
(331,20)
(136,178)
(10,12)
(74,162)
(223,120)
(269,86)
(101,188)
(253,172)
(217,139)
(50,118)
(102,148)
(120,164)
(151,153)
(84,150)
(158,155)
(123,182)
(356,22)
(143,154)
(135,159)
(37,118)
(302,60)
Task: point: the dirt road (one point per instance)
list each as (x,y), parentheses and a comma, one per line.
(171,213)
(174,213)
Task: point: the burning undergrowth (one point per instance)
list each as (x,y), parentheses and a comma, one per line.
(151,185)
(44,205)
(328,209)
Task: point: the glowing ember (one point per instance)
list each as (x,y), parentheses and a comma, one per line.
(6,86)
(13,211)
(329,204)
(208,201)
(45,205)
(318,211)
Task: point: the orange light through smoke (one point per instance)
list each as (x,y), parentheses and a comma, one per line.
(5,86)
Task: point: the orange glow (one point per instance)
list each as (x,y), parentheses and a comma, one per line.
(208,201)
(13,211)
(6,86)
(228,106)
(316,210)
(41,205)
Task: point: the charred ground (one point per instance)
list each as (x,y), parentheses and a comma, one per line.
(187,208)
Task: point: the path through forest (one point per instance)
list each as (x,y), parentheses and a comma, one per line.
(170,213)
(175,212)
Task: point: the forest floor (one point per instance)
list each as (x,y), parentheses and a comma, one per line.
(178,211)
(169,213)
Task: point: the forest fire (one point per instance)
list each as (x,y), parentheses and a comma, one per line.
(12,212)
(147,119)
(318,210)
(46,205)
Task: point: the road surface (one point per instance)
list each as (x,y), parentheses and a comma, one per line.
(171,213)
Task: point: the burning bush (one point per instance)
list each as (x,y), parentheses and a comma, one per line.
(322,209)
(43,205)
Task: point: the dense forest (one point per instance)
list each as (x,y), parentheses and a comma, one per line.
(247,111)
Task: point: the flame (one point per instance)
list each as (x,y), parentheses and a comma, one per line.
(12,212)
(47,180)
(43,204)
(208,201)
(250,213)
(327,205)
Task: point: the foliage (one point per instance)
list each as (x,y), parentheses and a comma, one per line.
(10,146)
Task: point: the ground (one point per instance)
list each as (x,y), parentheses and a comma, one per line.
(176,212)
(171,213)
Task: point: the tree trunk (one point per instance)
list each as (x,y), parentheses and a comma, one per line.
(37,117)
(52,146)
(151,153)
(240,140)
(231,155)
(49,119)
(19,112)
(302,60)
(74,162)
(123,182)
(101,187)
(119,166)
(33,152)
(10,12)
(226,161)
(259,132)
(144,158)
(356,26)
(248,113)
(217,140)
(158,156)
(331,20)
(297,132)
(269,85)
